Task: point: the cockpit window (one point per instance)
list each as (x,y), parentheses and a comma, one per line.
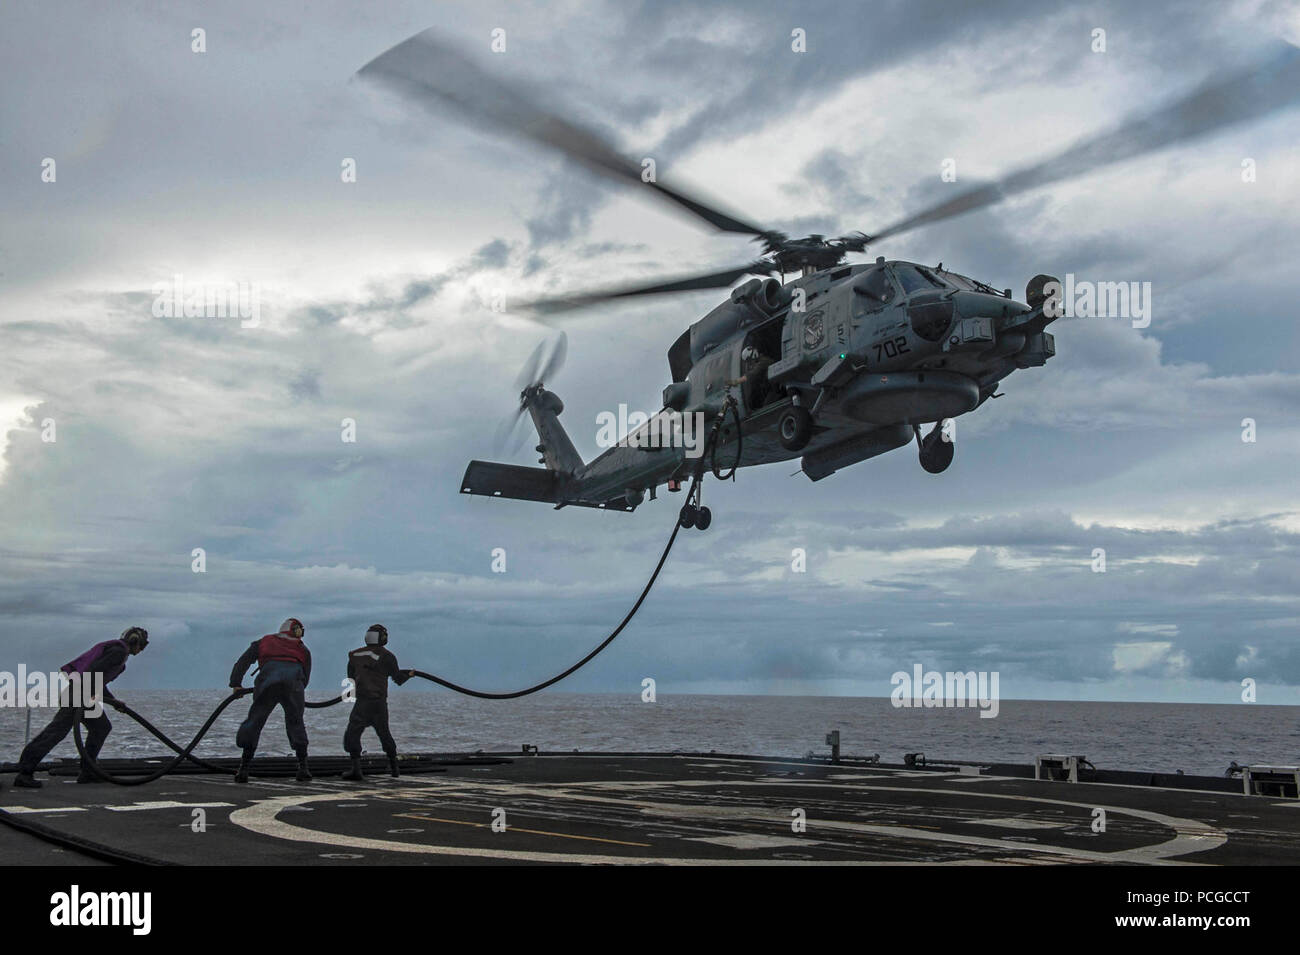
(874,290)
(969,284)
(914,279)
(960,281)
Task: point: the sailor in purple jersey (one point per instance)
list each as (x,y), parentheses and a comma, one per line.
(108,659)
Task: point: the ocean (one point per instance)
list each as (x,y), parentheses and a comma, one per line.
(1197,738)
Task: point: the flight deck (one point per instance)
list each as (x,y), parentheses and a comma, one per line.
(645,809)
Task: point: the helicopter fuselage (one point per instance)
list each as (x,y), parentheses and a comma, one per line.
(869,351)
(833,367)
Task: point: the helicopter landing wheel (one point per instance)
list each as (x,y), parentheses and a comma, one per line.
(703,518)
(935,453)
(794,428)
(688,515)
(937,461)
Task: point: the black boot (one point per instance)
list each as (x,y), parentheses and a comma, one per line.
(86,776)
(355,774)
(27,781)
(241,774)
(304,774)
(392,766)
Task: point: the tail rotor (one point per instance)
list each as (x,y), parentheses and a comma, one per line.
(543,365)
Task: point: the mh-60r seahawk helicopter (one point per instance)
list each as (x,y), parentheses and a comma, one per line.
(838,365)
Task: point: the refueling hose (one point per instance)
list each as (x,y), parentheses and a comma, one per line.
(187,752)
(160,735)
(603,644)
(740,443)
(182,754)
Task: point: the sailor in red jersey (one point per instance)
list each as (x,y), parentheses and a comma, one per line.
(284,669)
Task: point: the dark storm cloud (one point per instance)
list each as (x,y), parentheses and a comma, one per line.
(394,301)
(1250,94)
(1043,533)
(566,209)
(493,255)
(305,385)
(832,170)
(753,67)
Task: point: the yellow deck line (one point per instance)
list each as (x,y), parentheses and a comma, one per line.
(536,832)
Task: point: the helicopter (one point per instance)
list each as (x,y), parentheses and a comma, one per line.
(840,364)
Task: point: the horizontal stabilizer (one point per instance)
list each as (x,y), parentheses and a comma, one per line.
(510,480)
(519,483)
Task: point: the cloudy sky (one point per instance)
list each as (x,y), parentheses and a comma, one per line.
(175,433)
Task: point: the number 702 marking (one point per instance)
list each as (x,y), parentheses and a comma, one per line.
(892,349)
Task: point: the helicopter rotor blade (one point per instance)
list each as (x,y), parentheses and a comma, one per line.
(1264,88)
(528,374)
(535,371)
(556,359)
(690,283)
(509,436)
(430,71)
(538,369)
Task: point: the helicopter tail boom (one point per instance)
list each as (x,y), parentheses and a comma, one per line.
(557,451)
(559,482)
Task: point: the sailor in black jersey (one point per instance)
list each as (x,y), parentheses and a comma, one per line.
(370,667)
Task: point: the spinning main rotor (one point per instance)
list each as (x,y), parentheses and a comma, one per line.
(430,71)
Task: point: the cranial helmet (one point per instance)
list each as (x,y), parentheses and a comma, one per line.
(292,628)
(137,638)
(377,635)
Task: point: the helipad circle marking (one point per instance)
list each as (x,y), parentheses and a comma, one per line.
(261,817)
